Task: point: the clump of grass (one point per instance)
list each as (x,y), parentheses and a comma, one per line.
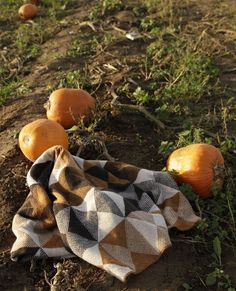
(11,89)
(104,6)
(73,79)
(112,5)
(180,72)
(82,48)
(6,91)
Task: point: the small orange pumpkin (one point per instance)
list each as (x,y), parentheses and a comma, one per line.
(199,165)
(40,135)
(28,11)
(66,106)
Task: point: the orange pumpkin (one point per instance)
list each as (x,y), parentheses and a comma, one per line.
(68,106)
(28,11)
(199,165)
(40,135)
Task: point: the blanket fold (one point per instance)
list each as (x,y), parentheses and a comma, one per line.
(113,215)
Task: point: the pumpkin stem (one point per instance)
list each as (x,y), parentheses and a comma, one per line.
(47,105)
(219,174)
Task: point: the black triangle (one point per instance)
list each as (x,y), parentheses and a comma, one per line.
(118,187)
(75,226)
(41,172)
(131,205)
(97,172)
(150,194)
(138,191)
(73,178)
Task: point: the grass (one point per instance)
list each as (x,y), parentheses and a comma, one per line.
(24,40)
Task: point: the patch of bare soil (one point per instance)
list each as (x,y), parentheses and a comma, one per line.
(128,137)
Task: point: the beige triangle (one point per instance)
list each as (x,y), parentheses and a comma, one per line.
(141,215)
(163,239)
(142,261)
(54,242)
(136,242)
(121,254)
(108,259)
(117,236)
(172,202)
(184,224)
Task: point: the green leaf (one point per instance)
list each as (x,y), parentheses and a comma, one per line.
(211,279)
(217,248)
(187,286)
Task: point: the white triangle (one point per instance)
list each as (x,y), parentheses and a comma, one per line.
(63,219)
(28,228)
(147,230)
(165,193)
(88,203)
(106,222)
(119,201)
(117,271)
(159,220)
(79,161)
(143,176)
(154,208)
(92,255)
(44,157)
(57,252)
(54,177)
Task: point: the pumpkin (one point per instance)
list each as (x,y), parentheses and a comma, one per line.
(28,11)
(67,106)
(199,165)
(40,135)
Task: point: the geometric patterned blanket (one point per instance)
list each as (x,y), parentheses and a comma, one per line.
(111,214)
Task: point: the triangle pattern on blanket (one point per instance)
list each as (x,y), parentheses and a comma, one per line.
(89,220)
(142,261)
(117,236)
(121,254)
(105,203)
(142,239)
(78,227)
(106,223)
(130,206)
(107,213)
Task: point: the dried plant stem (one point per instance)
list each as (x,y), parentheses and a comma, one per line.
(139,108)
(101,142)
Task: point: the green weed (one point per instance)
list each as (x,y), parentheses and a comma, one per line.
(218,276)
(6,91)
(79,48)
(111,5)
(141,96)
(73,79)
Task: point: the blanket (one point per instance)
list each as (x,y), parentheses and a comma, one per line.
(111,214)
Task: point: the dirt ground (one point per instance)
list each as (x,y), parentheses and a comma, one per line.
(127,138)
